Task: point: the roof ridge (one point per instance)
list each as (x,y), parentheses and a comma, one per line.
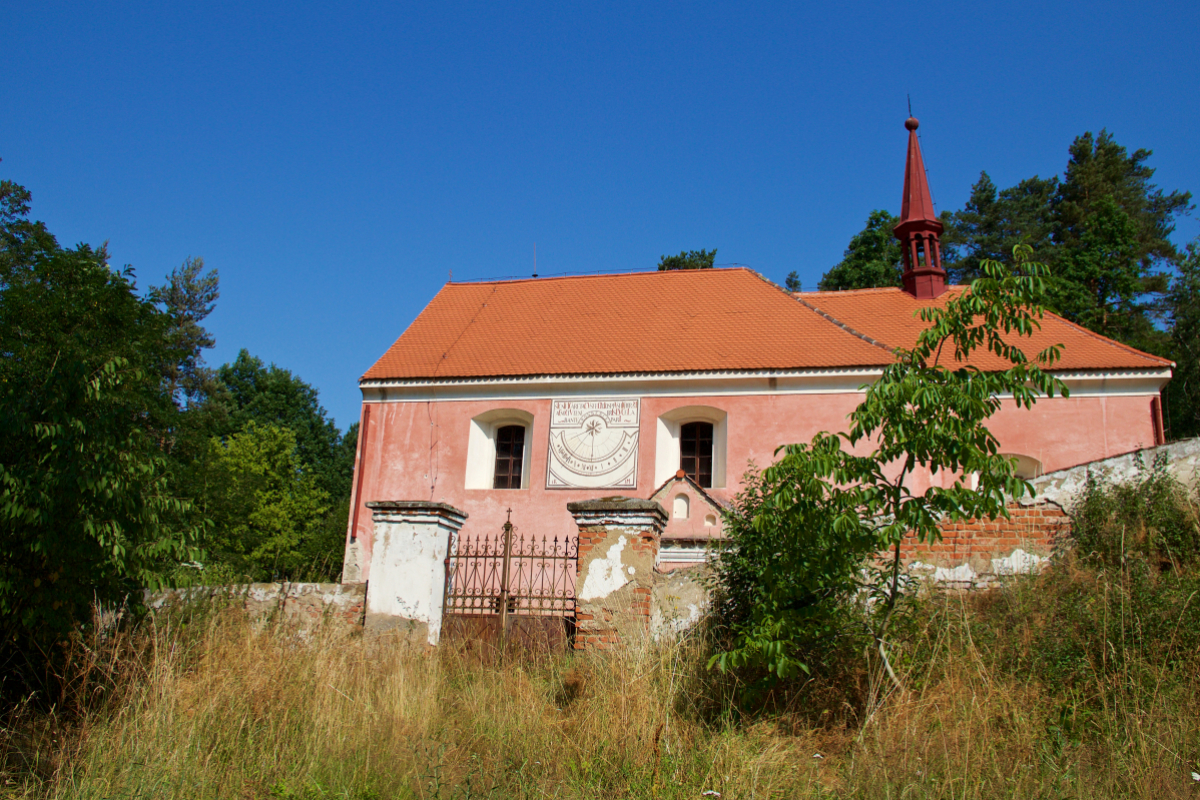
(873,290)
(853,332)
(629,274)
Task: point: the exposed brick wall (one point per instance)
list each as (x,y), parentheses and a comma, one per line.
(1034,528)
(605,623)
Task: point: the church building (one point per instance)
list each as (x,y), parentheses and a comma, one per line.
(510,399)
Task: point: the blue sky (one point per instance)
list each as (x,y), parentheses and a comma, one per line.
(337,163)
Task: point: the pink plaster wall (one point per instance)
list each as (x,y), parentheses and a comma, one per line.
(418,450)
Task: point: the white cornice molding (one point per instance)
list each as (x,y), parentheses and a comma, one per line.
(1109,383)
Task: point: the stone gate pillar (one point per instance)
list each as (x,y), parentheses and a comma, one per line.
(407,584)
(618,546)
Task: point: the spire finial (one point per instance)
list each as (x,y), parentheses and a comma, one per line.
(919,229)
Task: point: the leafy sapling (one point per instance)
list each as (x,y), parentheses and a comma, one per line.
(803,533)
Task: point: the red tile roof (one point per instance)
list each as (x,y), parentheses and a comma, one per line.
(681,321)
(713,319)
(889,316)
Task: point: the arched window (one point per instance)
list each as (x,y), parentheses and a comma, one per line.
(498,443)
(696,452)
(510,457)
(705,429)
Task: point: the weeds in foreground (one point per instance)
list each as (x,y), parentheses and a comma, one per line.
(206,704)
(1080,682)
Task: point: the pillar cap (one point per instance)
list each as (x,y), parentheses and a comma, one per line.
(633,505)
(414,507)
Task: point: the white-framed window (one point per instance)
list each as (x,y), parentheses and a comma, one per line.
(498,449)
(698,449)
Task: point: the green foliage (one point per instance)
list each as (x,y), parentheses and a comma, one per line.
(688,259)
(270,395)
(993,222)
(801,537)
(1095,632)
(266,508)
(249,404)
(1151,517)
(1101,169)
(792,282)
(1182,396)
(86,513)
(1103,228)
(873,258)
(186,299)
(21,240)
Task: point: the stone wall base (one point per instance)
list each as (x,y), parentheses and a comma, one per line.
(305,605)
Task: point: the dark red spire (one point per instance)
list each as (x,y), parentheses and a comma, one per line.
(919,230)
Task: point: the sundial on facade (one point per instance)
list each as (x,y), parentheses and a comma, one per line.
(593,444)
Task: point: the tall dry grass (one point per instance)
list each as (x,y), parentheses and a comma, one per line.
(205,704)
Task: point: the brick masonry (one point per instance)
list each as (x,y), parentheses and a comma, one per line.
(976,551)
(618,545)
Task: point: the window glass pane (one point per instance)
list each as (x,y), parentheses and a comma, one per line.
(696,452)
(510,453)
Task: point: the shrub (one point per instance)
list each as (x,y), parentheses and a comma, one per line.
(1152,516)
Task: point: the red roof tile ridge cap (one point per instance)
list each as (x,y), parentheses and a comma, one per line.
(865,290)
(872,290)
(1112,342)
(630,274)
(845,327)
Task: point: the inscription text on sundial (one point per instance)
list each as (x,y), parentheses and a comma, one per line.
(593,444)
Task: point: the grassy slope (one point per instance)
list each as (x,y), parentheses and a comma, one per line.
(209,706)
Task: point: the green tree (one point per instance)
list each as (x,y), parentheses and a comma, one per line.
(271,395)
(803,533)
(266,509)
(249,393)
(21,240)
(688,259)
(792,282)
(1183,309)
(1112,254)
(86,512)
(1101,281)
(994,221)
(187,298)
(873,259)
(1103,228)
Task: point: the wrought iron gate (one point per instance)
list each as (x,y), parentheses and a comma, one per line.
(509,573)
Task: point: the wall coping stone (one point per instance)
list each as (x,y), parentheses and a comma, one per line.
(1063,486)
(617,505)
(417,508)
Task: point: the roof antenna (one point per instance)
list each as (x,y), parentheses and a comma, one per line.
(909,96)
(535,259)
(451,276)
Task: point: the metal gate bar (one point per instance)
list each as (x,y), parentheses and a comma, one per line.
(509,573)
